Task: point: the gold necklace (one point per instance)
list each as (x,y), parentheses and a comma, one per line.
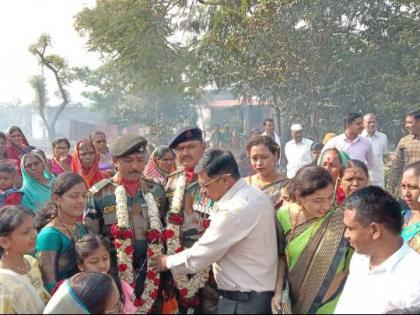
(20,269)
(270,193)
(70,229)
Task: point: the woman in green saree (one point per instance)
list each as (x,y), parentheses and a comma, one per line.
(60,229)
(264,153)
(316,254)
(37,181)
(410,192)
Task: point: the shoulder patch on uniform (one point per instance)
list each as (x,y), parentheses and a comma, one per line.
(99,185)
(110,209)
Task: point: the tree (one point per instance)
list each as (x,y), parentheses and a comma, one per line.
(312,60)
(62,75)
(142,73)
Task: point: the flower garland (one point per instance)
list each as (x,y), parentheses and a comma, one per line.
(187,287)
(123,235)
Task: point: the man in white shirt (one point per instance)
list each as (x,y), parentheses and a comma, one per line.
(269,131)
(379,142)
(240,242)
(297,150)
(384,273)
(351,142)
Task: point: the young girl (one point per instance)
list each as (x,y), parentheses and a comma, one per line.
(21,287)
(92,255)
(61,229)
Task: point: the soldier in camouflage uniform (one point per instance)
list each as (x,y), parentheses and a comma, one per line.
(129,158)
(189,148)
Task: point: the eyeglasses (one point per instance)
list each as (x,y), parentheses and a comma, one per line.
(211,181)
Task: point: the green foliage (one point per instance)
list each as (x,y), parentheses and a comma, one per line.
(315,60)
(312,60)
(141,78)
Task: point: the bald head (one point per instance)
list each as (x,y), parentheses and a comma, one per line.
(369,123)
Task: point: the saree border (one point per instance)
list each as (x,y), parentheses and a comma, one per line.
(322,266)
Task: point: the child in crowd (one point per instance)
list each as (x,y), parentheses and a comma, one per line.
(86,293)
(9,195)
(92,255)
(7,177)
(21,287)
(316,149)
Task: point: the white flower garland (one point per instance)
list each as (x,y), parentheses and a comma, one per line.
(188,287)
(125,248)
(125,260)
(151,287)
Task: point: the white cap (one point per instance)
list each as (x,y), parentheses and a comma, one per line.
(296,127)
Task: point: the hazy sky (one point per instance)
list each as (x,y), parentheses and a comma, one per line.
(21,23)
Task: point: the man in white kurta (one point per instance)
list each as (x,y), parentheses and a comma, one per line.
(240,242)
(379,142)
(297,150)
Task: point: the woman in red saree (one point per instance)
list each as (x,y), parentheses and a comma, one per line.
(18,145)
(85,162)
(4,156)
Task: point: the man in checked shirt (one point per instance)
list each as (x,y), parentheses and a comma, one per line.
(408,149)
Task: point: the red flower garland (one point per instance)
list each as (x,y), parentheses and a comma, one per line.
(176,219)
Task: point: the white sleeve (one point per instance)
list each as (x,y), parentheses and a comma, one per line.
(225,230)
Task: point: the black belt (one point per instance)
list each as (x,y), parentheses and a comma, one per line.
(241,296)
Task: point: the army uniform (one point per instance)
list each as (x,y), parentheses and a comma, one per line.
(196,211)
(100,215)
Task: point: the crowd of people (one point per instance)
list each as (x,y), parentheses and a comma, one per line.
(190,227)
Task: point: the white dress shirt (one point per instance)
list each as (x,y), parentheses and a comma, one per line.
(393,285)
(298,155)
(379,142)
(240,243)
(359,149)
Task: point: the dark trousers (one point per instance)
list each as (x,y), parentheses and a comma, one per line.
(257,303)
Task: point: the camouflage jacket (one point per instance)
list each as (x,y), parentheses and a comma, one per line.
(196,209)
(100,215)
